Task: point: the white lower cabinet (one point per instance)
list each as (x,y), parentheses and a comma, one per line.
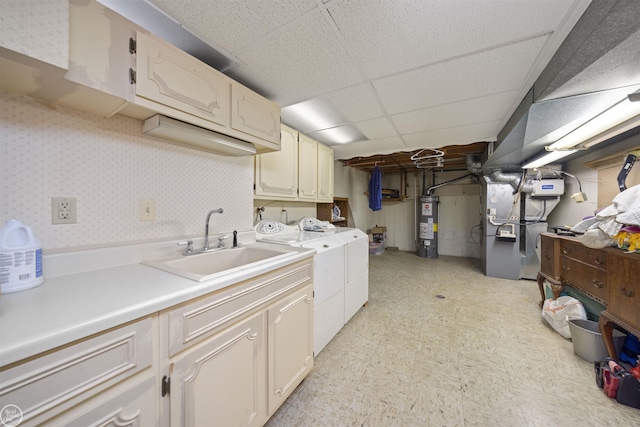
(228,358)
(81,376)
(232,357)
(290,344)
(131,404)
(219,381)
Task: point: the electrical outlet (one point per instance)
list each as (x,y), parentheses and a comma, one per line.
(63,210)
(147,209)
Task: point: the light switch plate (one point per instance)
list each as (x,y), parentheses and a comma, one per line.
(147,209)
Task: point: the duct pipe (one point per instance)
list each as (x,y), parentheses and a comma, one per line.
(433,187)
(473,165)
(514,179)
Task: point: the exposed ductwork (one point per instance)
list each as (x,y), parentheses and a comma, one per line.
(595,68)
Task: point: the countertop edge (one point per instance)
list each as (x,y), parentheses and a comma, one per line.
(24,335)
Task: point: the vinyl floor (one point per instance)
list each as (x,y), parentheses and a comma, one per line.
(440,344)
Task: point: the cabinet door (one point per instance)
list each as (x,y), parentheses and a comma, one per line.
(276,173)
(255,115)
(307,168)
(290,344)
(221,381)
(325,173)
(176,79)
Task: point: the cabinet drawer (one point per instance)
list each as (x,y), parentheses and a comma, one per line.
(624,295)
(577,251)
(195,321)
(548,246)
(130,404)
(590,280)
(61,378)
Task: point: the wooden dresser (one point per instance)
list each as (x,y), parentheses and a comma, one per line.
(609,276)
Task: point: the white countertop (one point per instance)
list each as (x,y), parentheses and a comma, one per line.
(70,307)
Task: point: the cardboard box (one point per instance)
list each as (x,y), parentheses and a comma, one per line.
(379,235)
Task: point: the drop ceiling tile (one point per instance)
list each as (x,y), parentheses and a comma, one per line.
(302,62)
(377,128)
(368,148)
(460,135)
(371,28)
(357,102)
(496,70)
(234,24)
(483,109)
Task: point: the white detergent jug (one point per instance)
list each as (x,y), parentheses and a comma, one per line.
(20,258)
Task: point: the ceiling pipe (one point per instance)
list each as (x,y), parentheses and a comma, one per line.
(473,163)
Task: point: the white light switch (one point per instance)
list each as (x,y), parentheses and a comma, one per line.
(147,209)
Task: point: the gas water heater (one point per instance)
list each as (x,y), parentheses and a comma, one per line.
(428,227)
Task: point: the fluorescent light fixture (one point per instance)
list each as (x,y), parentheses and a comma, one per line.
(338,135)
(548,158)
(196,137)
(613,116)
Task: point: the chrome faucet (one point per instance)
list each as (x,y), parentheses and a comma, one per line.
(206,228)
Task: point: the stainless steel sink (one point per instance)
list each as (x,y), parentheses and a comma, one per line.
(208,265)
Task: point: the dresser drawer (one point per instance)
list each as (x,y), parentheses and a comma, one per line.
(548,256)
(624,295)
(591,280)
(577,251)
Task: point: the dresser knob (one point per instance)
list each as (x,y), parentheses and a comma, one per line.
(627,292)
(597,284)
(598,261)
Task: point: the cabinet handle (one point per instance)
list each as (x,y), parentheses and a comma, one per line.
(598,261)
(123,421)
(597,284)
(566,251)
(627,292)
(565,268)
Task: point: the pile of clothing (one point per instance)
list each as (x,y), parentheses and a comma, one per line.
(616,225)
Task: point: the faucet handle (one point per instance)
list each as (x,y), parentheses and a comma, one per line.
(221,243)
(189,249)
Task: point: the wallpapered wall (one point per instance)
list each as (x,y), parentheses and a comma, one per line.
(108,166)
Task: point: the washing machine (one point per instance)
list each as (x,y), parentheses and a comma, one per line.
(329,271)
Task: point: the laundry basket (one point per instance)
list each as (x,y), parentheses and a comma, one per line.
(588,342)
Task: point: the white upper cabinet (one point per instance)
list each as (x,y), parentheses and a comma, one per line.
(302,170)
(308,167)
(106,65)
(325,173)
(255,115)
(176,79)
(276,173)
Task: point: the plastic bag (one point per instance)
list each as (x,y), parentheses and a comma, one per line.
(558,312)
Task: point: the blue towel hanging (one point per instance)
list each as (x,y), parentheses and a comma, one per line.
(375,190)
